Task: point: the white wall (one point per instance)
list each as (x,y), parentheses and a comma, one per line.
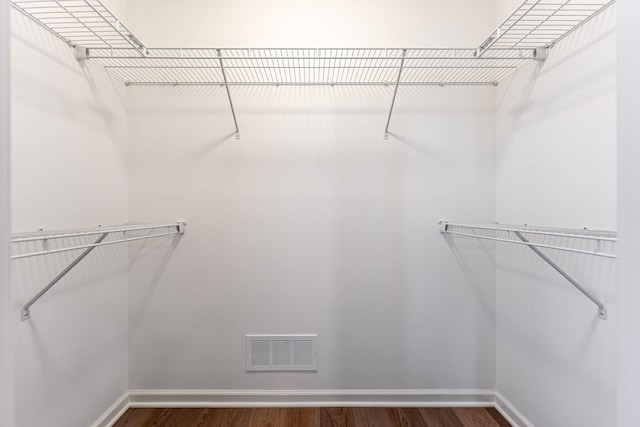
(329,23)
(556,166)
(629,206)
(6,372)
(69,170)
(312,222)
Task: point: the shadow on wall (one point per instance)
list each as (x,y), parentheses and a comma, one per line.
(539,292)
(461,252)
(37,50)
(45,44)
(72,330)
(151,250)
(581,47)
(371,285)
(30,275)
(479,287)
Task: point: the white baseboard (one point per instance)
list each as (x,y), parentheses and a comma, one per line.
(510,413)
(315,398)
(310,398)
(114,412)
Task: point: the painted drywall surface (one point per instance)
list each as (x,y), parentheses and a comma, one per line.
(629,206)
(68,170)
(556,166)
(6,371)
(313,223)
(293,23)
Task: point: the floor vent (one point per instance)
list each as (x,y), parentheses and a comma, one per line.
(282,352)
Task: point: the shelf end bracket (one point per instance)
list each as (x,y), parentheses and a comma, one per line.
(395,92)
(24,313)
(226,85)
(602,310)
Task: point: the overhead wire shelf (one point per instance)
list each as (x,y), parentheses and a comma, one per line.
(543,23)
(100,37)
(319,67)
(89,24)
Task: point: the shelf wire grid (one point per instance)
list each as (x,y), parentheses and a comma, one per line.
(86,23)
(318,67)
(543,23)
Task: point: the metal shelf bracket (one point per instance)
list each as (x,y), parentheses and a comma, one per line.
(395,92)
(88,248)
(24,313)
(446,227)
(226,85)
(602,311)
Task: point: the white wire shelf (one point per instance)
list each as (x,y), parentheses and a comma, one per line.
(98,36)
(89,24)
(318,67)
(85,23)
(543,23)
(593,242)
(37,244)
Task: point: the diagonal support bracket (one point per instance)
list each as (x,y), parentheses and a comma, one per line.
(226,85)
(24,313)
(395,92)
(602,310)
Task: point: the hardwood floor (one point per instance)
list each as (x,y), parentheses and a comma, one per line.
(312,417)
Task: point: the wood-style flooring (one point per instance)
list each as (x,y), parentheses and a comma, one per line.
(312,417)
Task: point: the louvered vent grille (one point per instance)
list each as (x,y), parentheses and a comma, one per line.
(282,353)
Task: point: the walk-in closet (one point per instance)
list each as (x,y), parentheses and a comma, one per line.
(349,213)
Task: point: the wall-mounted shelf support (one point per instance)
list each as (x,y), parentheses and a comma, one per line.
(395,92)
(602,310)
(597,236)
(178,229)
(226,85)
(101,38)
(24,313)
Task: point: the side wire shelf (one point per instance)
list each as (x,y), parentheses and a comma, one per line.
(599,243)
(540,24)
(82,23)
(52,243)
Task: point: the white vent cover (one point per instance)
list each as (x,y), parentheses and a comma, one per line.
(282,352)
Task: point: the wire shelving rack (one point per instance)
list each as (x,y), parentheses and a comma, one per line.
(97,35)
